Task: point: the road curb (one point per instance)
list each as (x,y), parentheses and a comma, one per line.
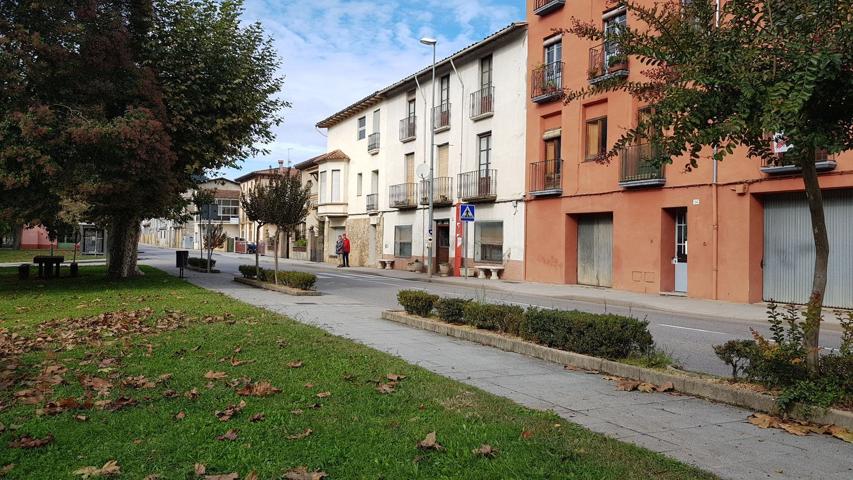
(699,387)
(277,288)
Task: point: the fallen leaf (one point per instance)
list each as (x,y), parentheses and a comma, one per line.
(665,387)
(252,476)
(258,417)
(627,385)
(840,433)
(27,441)
(646,387)
(295,364)
(81,418)
(199,469)
(795,428)
(296,412)
(394,377)
(300,435)
(153,476)
(224,476)
(6,469)
(386,388)
(109,469)
(211,375)
(230,435)
(302,473)
(527,434)
(324,394)
(430,443)
(192,394)
(230,411)
(612,378)
(485,450)
(169,393)
(180,415)
(762,420)
(260,389)
(309,385)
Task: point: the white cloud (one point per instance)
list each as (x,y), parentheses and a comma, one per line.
(335,52)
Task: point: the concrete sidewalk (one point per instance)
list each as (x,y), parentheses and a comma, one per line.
(714,437)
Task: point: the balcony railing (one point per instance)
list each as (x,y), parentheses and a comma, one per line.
(478,186)
(547,82)
(637,171)
(373,143)
(372,201)
(546,178)
(606,61)
(781,164)
(404,195)
(544,7)
(483,103)
(441,117)
(442,193)
(407,129)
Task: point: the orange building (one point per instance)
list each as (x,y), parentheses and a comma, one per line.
(737,231)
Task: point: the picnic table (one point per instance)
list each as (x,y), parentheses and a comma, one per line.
(48,265)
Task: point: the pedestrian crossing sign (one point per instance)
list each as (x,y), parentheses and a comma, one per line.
(466,213)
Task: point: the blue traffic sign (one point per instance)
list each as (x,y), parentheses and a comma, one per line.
(466,213)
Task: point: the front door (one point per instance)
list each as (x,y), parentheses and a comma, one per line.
(442,242)
(595,250)
(680,259)
(371,246)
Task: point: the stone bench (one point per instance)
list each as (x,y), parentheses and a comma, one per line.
(494,271)
(386,264)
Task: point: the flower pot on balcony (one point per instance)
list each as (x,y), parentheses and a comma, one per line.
(617,63)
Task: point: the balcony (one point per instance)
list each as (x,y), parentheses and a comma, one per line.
(636,171)
(404,195)
(544,7)
(546,82)
(442,194)
(478,186)
(781,165)
(332,209)
(441,117)
(546,178)
(483,103)
(373,143)
(407,129)
(606,62)
(372,202)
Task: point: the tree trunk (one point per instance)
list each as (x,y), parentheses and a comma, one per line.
(124,238)
(257,258)
(275,252)
(209,245)
(811,328)
(17,236)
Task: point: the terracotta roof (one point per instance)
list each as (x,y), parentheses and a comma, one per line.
(333,155)
(379,95)
(267,172)
(227,194)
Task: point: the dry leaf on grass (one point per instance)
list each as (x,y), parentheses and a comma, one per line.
(153,476)
(229,412)
(211,375)
(485,450)
(253,475)
(430,443)
(302,473)
(386,388)
(109,469)
(192,394)
(295,364)
(230,435)
(180,415)
(6,469)
(27,441)
(527,434)
(300,435)
(395,377)
(298,411)
(324,394)
(223,476)
(258,417)
(260,389)
(199,469)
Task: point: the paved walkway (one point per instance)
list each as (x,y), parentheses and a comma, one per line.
(714,437)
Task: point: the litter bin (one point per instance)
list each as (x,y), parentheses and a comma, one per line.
(181,257)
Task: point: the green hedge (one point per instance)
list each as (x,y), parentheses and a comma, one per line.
(248,271)
(452,310)
(417,302)
(608,336)
(503,318)
(200,262)
(300,280)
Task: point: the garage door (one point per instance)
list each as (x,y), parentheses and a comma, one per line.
(789,249)
(595,250)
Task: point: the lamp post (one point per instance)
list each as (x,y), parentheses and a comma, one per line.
(431,42)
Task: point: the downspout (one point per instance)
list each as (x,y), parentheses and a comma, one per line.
(715,202)
(462,123)
(426,114)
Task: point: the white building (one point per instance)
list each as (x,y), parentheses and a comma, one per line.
(369,183)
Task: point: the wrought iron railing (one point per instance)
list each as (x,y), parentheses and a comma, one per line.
(483,102)
(404,195)
(373,142)
(442,193)
(372,201)
(478,185)
(546,176)
(407,128)
(441,116)
(547,81)
(787,161)
(541,7)
(606,59)
(637,164)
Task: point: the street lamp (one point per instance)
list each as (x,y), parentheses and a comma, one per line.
(431,42)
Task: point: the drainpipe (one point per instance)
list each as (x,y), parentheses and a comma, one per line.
(427,114)
(462,123)
(715,201)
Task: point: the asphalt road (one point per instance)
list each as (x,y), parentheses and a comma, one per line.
(687,338)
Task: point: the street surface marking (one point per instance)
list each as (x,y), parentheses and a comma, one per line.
(692,329)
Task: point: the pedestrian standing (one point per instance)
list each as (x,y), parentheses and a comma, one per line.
(339,251)
(346,248)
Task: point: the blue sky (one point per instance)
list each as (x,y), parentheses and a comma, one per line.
(335,52)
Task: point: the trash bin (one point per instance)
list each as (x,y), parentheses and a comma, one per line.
(181,257)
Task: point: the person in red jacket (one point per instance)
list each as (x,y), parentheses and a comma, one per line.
(346,251)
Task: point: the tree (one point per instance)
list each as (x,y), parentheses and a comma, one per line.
(214,238)
(288,205)
(255,202)
(200,199)
(121,104)
(734,77)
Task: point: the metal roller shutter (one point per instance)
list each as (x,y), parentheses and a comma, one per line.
(595,250)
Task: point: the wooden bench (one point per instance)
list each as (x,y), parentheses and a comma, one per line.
(386,264)
(494,271)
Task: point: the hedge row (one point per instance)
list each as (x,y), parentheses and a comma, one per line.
(608,336)
(200,262)
(300,280)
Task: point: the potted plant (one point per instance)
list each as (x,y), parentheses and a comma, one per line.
(444,269)
(415,265)
(593,72)
(617,62)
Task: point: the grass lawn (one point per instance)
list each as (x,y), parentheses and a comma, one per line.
(8,255)
(329,415)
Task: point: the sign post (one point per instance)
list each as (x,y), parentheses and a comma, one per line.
(466,215)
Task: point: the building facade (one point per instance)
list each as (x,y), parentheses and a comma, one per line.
(376,188)
(736,230)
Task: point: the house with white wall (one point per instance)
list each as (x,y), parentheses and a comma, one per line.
(375,184)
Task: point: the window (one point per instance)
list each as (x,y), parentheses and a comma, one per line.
(486,72)
(553,71)
(443,160)
(552,156)
(228,208)
(376,121)
(410,108)
(613,26)
(403,241)
(322,187)
(484,153)
(374,181)
(362,128)
(488,241)
(358,180)
(596,138)
(336,186)
(554,51)
(444,85)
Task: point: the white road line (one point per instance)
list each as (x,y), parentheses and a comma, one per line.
(691,329)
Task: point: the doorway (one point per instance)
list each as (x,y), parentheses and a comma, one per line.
(442,241)
(371,246)
(595,250)
(680,258)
